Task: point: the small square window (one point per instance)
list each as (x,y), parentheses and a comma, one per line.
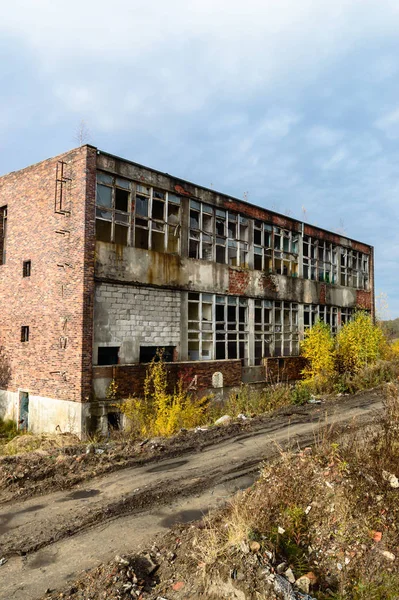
(25,333)
(26,267)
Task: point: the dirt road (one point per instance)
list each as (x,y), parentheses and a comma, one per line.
(49,539)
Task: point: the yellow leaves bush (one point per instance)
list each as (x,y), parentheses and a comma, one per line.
(358,346)
(159,412)
(318,349)
(360,343)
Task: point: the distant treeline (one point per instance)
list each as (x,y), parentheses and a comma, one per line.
(391,328)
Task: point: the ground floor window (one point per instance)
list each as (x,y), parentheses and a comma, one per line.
(276,329)
(217,327)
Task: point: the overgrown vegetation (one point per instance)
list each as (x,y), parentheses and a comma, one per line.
(8,430)
(160,412)
(358,358)
(331,512)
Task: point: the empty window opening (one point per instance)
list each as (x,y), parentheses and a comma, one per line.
(3,234)
(26,267)
(218,235)
(354,269)
(113,209)
(275,249)
(149,353)
(108,355)
(319,260)
(217,327)
(312,313)
(157,220)
(25,333)
(276,329)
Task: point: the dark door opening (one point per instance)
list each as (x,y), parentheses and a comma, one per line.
(108,355)
(147,353)
(23,421)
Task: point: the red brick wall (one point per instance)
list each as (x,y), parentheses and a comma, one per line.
(50,301)
(364,299)
(238,281)
(256,212)
(130,378)
(284,369)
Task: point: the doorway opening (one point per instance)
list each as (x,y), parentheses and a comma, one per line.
(23,420)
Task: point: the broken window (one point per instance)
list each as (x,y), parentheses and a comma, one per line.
(218,235)
(217,327)
(26,266)
(319,260)
(149,353)
(354,269)
(312,313)
(346,315)
(3,234)
(113,209)
(108,355)
(25,333)
(157,220)
(276,329)
(275,249)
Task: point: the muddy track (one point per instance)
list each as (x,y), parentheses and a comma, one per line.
(146,496)
(28,526)
(35,475)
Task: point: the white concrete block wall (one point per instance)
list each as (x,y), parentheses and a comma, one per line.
(129,316)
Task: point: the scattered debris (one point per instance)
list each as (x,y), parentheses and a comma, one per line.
(391,479)
(2,561)
(225,420)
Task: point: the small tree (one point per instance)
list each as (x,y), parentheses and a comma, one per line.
(360,343)
(318,349)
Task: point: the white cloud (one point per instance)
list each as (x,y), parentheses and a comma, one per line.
(181,55)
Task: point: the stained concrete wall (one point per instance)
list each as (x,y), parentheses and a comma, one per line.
(125,264)
(45,414)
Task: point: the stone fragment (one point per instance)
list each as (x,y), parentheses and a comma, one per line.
(288,574)
(254,546)
(391,479)
(225,420)
(281,568)
(388,555)
(303,584)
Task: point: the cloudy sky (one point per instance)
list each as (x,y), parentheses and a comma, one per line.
(293,104)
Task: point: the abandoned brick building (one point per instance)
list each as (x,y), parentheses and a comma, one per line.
(102,261)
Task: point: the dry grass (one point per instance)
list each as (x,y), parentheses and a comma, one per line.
(323,510)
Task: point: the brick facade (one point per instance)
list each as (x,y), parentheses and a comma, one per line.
(82,295)
(51,301)
(197,375)
(284,369)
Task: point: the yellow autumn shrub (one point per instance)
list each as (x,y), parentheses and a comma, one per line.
(318,348)
(160,412)
(360,343)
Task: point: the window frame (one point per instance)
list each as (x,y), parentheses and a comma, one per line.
(215,335)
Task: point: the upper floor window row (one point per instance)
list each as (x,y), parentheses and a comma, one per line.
(275,249)
(217,234)
(320,261)
(137,215)
(134,214)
